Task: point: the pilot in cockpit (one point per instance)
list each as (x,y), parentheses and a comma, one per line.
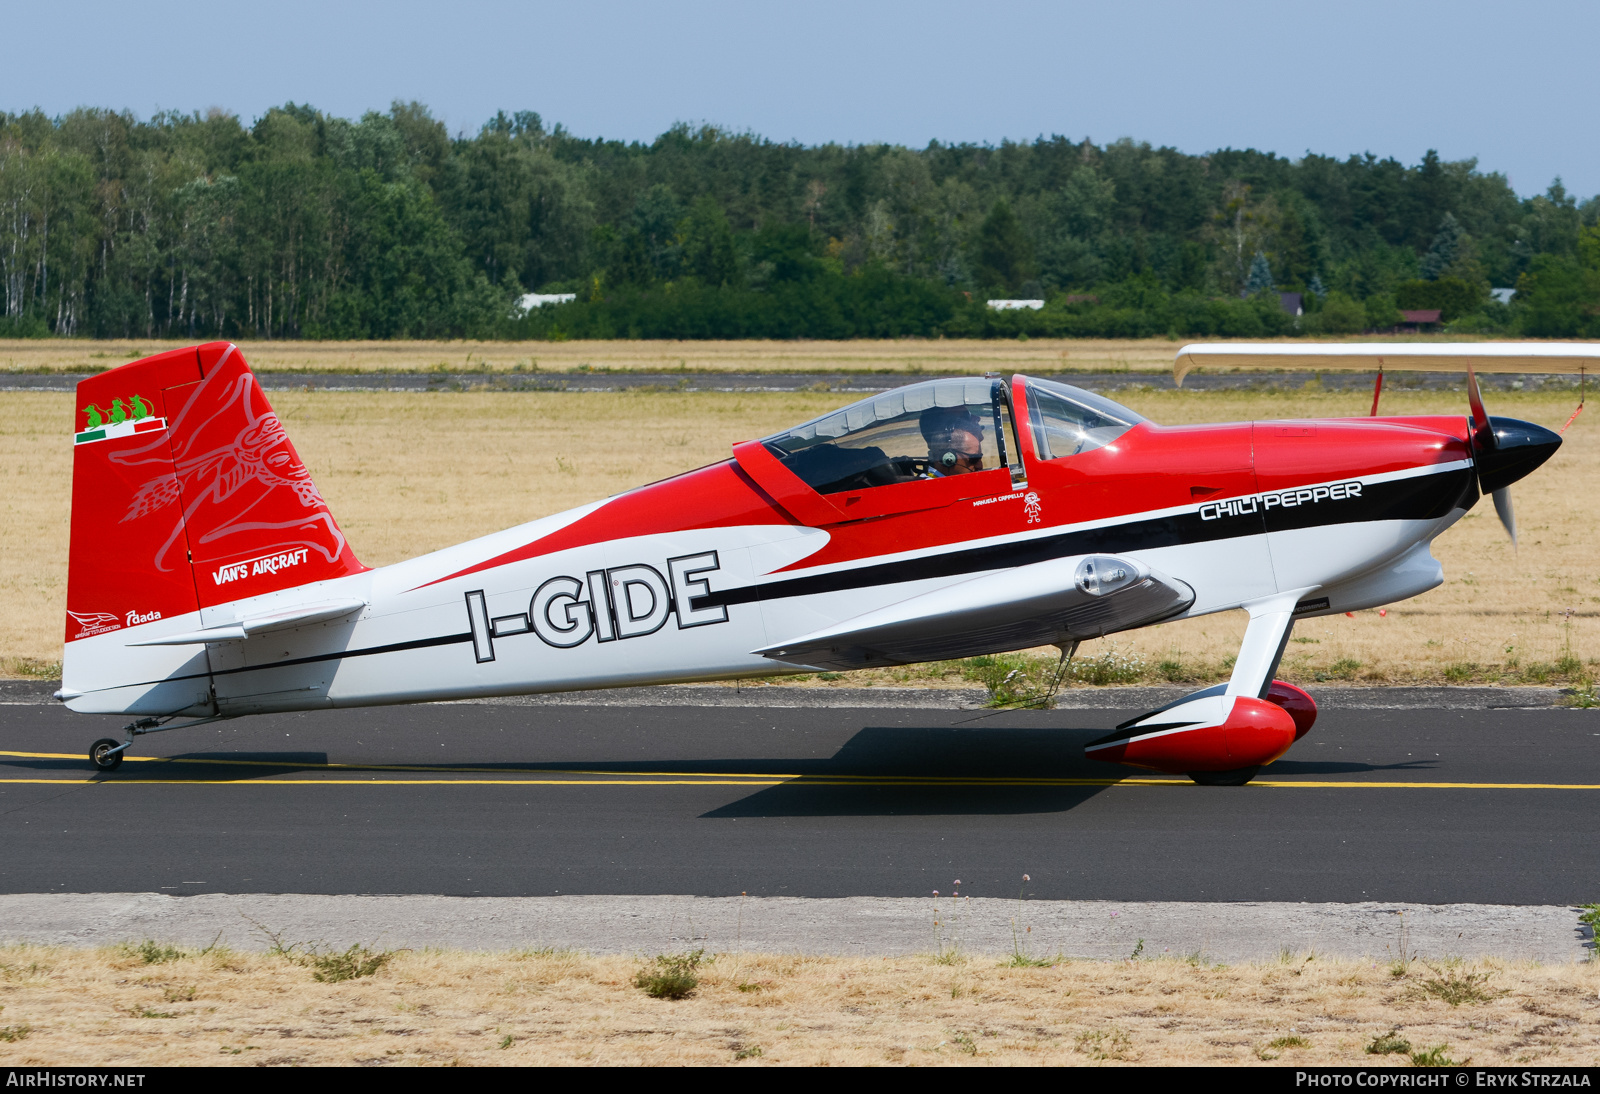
(955,440)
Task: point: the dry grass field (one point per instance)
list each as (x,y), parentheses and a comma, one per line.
(152,1005)
(891,355)
(407,473)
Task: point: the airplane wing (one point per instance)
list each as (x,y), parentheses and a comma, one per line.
(1046,603)
(1568,357)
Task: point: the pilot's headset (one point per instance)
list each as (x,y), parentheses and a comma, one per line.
(939,425)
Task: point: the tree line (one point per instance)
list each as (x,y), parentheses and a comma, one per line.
(305,225)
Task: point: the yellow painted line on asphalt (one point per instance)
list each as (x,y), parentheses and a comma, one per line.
(863,781)
(1374,785)
(586,777)
(423,768)
(392,782)
(569,773)
(739,780)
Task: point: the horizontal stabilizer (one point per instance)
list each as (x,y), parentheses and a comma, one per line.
(1047,603)
(287,619)
(1567,357)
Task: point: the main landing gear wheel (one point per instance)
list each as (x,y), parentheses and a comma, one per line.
(1237,777)
(102,756)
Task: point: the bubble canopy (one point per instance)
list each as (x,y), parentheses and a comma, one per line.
(903,435)
(944,427)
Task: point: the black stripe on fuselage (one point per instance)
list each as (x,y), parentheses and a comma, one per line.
(1421,497)
(393,647)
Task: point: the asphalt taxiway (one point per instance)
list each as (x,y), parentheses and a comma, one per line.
(1424,805)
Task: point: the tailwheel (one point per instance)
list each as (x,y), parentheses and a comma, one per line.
(1237,777)
(106,754)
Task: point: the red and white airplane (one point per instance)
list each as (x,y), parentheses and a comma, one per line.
(945,519)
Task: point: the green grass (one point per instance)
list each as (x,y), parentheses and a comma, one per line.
(31,668)
(1435,1057)
(1343,669)
(1589,916)
(351,964)
(1020,680)
(327,966)
(1457,988)
(1020,960)
(1583,695)
(155,953)
(1388,1043)
(1110,1043)
(672,976)
(1288,1042)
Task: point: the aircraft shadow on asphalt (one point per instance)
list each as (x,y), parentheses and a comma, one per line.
(1033,757)
(1341,767)
(881,756)
(207,766)
(880,770)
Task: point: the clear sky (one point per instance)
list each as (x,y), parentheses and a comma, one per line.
(1512,84)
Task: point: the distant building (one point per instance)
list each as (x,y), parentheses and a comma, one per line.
(532,300)
(1503,295)
(1015,305)
(1418,318)
(1292,302)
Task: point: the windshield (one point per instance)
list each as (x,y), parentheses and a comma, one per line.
(1067,420)
(930,430)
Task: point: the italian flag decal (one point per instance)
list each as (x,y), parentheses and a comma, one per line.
(124,419)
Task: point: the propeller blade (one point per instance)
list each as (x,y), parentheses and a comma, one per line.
(1483,433)
(1502,507)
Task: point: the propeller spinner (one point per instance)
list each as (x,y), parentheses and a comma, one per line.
(1505,450)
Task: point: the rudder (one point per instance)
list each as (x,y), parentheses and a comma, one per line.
(186,494)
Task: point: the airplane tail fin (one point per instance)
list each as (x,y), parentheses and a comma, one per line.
(186,493)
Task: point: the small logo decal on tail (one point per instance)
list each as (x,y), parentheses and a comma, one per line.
(96,623)
(123,419)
